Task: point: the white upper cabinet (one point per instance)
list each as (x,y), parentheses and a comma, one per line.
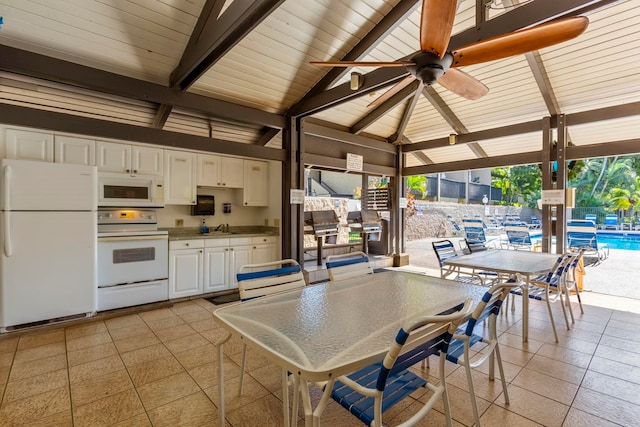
(125,158)
(28,145)
(220,171)
(256,183)
(80,151)
(179,177)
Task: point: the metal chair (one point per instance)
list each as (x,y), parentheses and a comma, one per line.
(445,250)
(549,288)
(520,237)
(257,280)
(346,266)
(369,392)
(464,338)
(570,282)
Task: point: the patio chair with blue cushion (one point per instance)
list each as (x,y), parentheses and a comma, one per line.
(474,232)
(592,217)
(371,391)
(346,266)
(583,234)
(445,250)
(456,227)
(570,281)
(611,222)
(257,280)
(467,335)
(549,288)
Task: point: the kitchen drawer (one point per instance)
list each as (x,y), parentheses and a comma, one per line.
(261,240)
(239,241)
(186,244)
(222,242)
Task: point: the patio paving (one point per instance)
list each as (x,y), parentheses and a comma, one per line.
(618,275)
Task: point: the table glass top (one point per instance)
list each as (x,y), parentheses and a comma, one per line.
(320,328)
(502,260)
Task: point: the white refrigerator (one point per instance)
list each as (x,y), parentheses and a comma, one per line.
(48,233)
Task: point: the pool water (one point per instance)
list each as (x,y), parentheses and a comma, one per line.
(628,241)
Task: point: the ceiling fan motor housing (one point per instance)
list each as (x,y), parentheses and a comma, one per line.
(429,67)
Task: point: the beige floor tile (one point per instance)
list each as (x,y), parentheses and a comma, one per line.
(560,370)
(130,331)
(270,376)
(566,355)
(165,390)
(77,331)
(85,355)
(578,418)
(40,352)
(108,411)
(510,370)
(201,355)
(534,407)
(185,307)
(158,314)
(6,359)
(620,343)
(484,389)
(61,419)
(544,385)
(607,407)
(615,387)
(196,316)
(97,388)
(37,384)
(21,371)
(266,411)
(129,321)
(32,408)
(175,332)
(204,325)
(140,420)
(136,342)
(515,356)
(622,356)
(95,368)
(8,344)
(160,324)
(515,341)
(460,403)
(192,410)
(207,375)
(88,341)
(154,370)
(145,354)
(252,391)
(499,416)
(574,343)
(615,369)
(255,360)
(41,338)
(186,343)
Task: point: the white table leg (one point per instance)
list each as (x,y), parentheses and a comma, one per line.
(525,311)
(220,346)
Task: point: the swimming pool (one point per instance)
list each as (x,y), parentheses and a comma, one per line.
(620,240)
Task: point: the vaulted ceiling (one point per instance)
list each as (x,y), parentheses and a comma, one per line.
(231,72)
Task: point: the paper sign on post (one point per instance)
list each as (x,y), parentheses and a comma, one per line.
(296,197)
(354,162)
(552,197)
(403,202)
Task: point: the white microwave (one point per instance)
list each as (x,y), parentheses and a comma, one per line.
(124,190)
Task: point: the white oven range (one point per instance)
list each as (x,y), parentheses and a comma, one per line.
(133,264)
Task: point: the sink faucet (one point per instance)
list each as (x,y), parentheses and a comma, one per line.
(222,227)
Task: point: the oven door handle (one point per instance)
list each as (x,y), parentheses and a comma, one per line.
(131,238)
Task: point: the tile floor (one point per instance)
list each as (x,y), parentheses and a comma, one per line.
(159,368)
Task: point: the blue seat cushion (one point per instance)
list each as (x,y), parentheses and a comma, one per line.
(398,386)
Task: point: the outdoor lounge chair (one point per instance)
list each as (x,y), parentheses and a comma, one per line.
(474,232)
(445,250)
(611,222)
(520,237)
(583,234)
(592,217)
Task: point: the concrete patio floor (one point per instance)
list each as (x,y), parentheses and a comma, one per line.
(619,275)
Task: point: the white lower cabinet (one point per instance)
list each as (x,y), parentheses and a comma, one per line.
(264,249)
(223,259)
(185,268)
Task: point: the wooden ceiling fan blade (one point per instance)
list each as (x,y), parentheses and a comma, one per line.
(461,83)
(361,64)
(436,23)
(520,42)
(395,89)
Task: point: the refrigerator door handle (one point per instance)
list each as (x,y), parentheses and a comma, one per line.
(7,212)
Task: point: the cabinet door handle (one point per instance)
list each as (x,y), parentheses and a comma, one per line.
(135,171)
(186,244)
(231,249)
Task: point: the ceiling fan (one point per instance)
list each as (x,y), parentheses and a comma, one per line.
(434,63)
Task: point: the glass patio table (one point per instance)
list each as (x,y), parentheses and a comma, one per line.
(323,331)
(528,264)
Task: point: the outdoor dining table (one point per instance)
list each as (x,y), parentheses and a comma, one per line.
(527,264)
(322,331)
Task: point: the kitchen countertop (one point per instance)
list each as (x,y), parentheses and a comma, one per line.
(188,233)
